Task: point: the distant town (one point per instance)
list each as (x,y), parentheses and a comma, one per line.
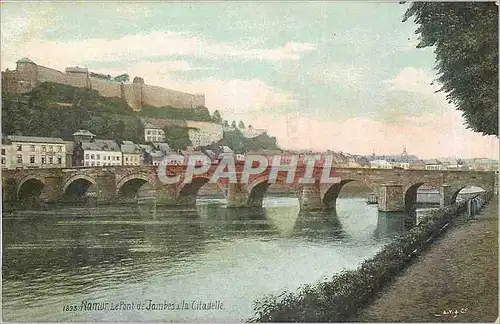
(88,151)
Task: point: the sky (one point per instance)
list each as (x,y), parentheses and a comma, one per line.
(318,75)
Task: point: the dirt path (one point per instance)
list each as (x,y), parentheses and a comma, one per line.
(458,273)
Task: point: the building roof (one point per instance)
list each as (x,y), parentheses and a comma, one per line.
(83,132)
(101,145)
(35,139)
(157,154)
(405,158)
(25,60)
(450,161)
(431,161)
(147,148)
(130,148)
(5,140)
(163,147)
(149,125)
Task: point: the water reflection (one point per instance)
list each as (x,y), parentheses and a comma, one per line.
(52,257)
(321,226)
(390,224)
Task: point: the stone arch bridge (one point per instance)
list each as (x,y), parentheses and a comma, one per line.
(396,189)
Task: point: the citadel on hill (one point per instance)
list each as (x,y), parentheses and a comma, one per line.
(29,75)
(39,99)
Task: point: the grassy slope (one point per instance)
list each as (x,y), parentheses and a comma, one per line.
(459,271)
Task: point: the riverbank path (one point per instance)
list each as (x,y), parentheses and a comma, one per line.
(456,280)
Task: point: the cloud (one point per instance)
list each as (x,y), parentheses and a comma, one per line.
(349,75)
(412,92)
(168,66)
(23,25)
(438,136)
(412,79)
(146,46)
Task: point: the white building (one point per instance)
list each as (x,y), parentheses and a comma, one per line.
(204,133)
(6,153)
(450,164)
(433,164)
(101,153)
(153,133)
(380,164)
(34,152)
(131,153)
(251,132)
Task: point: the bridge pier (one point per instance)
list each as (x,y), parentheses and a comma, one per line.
(106,188)
(166,194)
(445,195)
(310,197)
(391,198)
(237,196)
(52,191)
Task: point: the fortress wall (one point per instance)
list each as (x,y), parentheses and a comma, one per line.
(134,94)
(129,92)
(161,97)
(46,74)
(10,81)
(76,80)
(105,88)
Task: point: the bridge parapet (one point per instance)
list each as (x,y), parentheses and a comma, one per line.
(392,187)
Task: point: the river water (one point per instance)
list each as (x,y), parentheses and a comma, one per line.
(131,256)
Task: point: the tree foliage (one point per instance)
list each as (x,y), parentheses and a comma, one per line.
(465,36)
(100,76)
(240,144)
(217,117)
(122,78)
(36,114)
(195,114)
(177,137)
(241,125)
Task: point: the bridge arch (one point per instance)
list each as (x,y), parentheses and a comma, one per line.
(30,187)
(191,189)
(329,198)
(78,185)
(458,190)
(258,187)
(411,194)
(129,185)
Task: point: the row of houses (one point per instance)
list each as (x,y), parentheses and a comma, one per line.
(87,151)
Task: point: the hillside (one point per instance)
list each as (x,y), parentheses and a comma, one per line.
(57,110)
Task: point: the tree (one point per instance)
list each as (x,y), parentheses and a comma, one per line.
(233,124)
(465,36)
(225,123)
(122,78)
(241,125)
(217,117)
(177,137)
